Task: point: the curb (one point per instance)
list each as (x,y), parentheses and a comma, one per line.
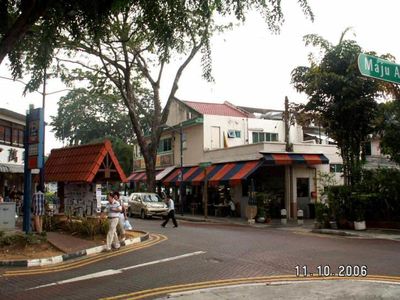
(337,232)
(40,262)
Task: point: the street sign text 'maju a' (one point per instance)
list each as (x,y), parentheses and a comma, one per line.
(378,68)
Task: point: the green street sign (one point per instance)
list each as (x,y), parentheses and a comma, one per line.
(205,164)
(375,67)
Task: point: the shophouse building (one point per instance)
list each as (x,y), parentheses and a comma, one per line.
(246,150)
(12,126)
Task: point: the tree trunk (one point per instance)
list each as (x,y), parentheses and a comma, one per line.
(150,163)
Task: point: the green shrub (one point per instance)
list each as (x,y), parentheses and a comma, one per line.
(322,214)
(22,239)
(340,202)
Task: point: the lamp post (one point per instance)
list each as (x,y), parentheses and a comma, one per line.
(180,131)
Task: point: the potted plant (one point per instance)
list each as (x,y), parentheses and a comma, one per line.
(359,212)
(359,221)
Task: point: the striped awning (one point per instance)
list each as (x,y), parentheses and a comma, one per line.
(232,173)
(294,158)
(142,177)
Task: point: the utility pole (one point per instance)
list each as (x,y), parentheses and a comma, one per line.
(41,181)
(286,118)
(181,170)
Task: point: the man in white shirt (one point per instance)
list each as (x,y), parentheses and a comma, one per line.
(114,210)
(171,212)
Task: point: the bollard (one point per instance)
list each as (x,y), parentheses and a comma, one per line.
(300,215)
(283,216)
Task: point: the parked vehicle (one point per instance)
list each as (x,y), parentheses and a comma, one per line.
(146,205)
(125,199)
(104,202)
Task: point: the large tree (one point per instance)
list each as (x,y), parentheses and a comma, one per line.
(341,96)
(388,128)
(29,29)
(132,55)
(83,116)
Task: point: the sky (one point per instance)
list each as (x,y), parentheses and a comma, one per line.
(251,66)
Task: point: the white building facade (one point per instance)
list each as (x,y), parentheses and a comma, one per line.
(236,139)
(12,126)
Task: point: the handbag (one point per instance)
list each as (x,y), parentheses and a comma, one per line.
(127,225)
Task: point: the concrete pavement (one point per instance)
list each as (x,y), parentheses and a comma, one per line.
(324,289)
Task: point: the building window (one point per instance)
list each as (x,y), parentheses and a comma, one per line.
(165,145)
(21,137)
(15,136)
(237,133)
(11,136)
(259,137)
(2,131)
(303,187)
(336,168)
(7,135)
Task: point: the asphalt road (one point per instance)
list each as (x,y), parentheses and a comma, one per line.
(197,252)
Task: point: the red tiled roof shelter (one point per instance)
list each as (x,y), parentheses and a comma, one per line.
(218,109)
(84,163)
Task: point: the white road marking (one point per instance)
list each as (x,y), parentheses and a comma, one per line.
(113,272)
(163,260)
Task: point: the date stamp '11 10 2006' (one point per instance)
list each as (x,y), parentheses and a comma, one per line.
(327,271)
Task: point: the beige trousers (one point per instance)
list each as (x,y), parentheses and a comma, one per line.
(112,237)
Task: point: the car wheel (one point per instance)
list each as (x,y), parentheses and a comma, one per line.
(142,214)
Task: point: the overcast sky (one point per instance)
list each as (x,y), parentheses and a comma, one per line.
(252,66)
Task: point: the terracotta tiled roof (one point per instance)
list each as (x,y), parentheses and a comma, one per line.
(219,109)
(81,163)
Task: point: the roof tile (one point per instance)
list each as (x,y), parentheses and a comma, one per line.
(80,163)
(219,109)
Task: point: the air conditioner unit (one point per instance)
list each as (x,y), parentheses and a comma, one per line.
(231,133)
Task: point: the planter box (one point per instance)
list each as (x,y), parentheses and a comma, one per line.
(360,225)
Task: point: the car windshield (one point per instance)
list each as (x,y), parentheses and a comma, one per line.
(151,198)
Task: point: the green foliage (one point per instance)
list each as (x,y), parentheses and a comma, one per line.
(340,97)
(382,190)
(322,214)
(84,227)
(22,239)
(375,198)
(85,115)
(340,202)
(32,31)
(388,128)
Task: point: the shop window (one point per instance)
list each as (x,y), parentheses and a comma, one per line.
(303,187)
(336,168)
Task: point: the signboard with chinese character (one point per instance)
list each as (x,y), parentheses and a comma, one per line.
(35,138)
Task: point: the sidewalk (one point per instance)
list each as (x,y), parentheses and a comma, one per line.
(321,289)
(292,225)
(68,243)
(72,248)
